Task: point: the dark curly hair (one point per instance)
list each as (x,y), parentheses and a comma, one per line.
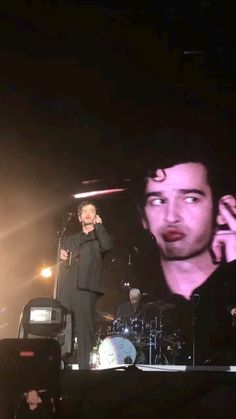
(84,203)
(176,146)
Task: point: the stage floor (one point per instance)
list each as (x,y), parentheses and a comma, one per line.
(163,368)
(149,391)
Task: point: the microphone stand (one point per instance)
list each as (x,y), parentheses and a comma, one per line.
(129,280)
(60,236)
(194,322)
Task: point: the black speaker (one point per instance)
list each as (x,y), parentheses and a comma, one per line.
(27,364)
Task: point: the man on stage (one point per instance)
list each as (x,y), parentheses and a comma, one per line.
(133,309)
(81,282)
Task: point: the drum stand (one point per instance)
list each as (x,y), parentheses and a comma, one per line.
(98,337)
(153,342)
(150,345)
(158,357)
(195,302)
(158,337)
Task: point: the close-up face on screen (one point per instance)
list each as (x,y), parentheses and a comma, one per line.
(179,210)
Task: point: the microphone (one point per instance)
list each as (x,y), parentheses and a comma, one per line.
(196,299)
(129,260)
(136,250)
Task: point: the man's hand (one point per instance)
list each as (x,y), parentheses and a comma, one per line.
(225,240)
(233,312)
(64,255)
(33,399)
(97,219)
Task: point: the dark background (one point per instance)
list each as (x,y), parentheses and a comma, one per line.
(84,87)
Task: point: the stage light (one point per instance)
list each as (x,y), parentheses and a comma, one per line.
(100,192)
(47,318)
(46,272)
(45,315)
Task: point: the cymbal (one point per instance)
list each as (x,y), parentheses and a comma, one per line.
(103,316)
(148,297)
(159,305)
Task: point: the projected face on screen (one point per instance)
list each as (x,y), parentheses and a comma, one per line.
(179,210)
(194,230)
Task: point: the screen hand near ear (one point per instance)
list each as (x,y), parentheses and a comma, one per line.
(224,241)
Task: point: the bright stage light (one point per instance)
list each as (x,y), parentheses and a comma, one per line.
(45,315)
(46,272)
(101,192)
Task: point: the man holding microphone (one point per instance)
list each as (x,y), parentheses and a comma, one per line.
(81,281)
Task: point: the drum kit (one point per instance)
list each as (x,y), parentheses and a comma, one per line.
(137,341)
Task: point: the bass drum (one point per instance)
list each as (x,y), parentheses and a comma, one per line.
(116,350)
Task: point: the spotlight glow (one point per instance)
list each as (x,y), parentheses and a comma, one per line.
(46,272)
(101,192)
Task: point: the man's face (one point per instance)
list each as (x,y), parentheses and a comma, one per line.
(32,397)
(88,214)
(179,211)
(134,299)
